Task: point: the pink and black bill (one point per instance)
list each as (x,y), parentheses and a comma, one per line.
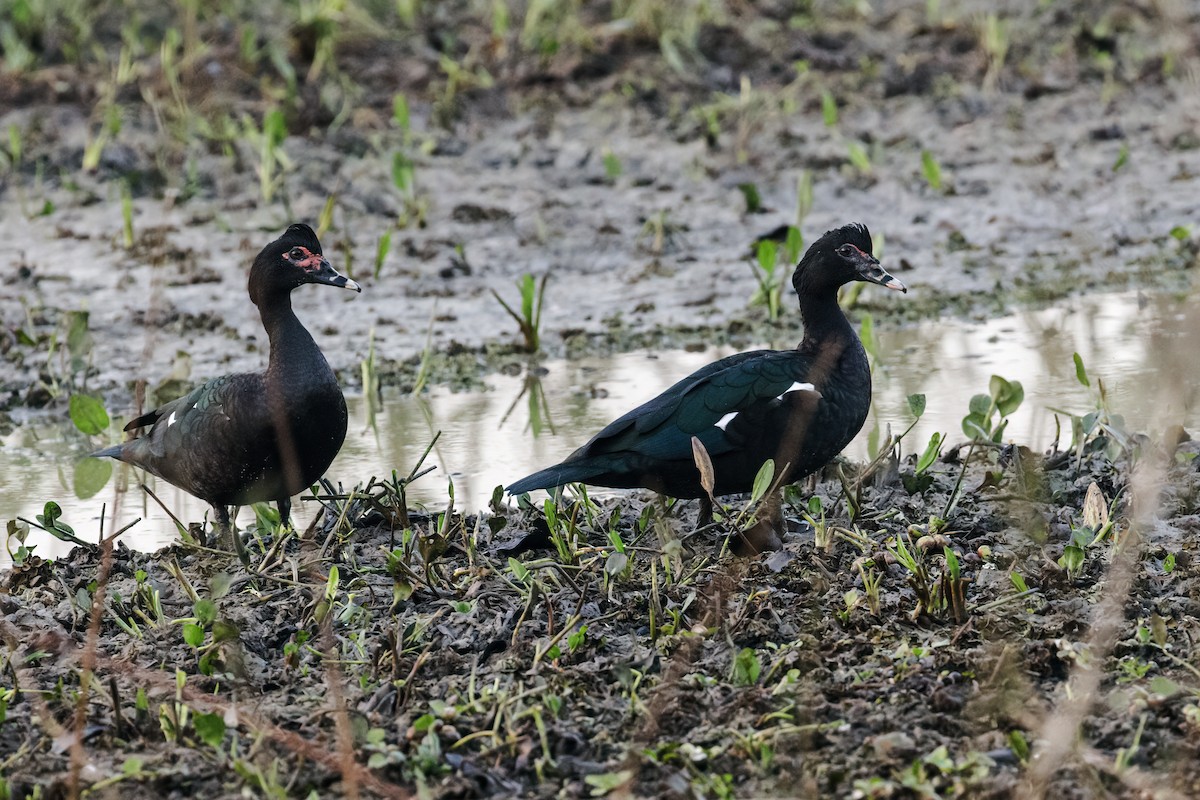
(868,267)
(317,268)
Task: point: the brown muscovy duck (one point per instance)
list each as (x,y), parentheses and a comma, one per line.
(799,407)
(255,436)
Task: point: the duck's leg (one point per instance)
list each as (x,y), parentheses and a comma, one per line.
(284,504)
(224,527)
(705,517)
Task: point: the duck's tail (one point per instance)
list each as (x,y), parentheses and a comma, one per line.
(558,475)
(108,452)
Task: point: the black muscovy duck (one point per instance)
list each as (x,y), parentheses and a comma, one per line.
(255,436)
(799,407)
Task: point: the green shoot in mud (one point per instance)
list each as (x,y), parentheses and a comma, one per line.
(612,165)
(751,196)
(381,252)
(1101,428)
(267,140)
(1093,528)
(772,272)
(529,320)
(994,40)
(932,170)
(804,197)
(415,208)
(857,157)
(919,480)
(661,232)
(981,424)
(987,417)
(371,385)
(126,215)
(829,109)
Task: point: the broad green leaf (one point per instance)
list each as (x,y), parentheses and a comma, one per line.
(931,453)
(193,634)
(980,404)
(997,386)
(762,481)
(88,414)
(916,404)
(975,426)
(205,611)
(746,667)
(51,519)
(210,728)
(1012,398)
(768,255)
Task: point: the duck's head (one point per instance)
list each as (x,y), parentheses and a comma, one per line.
(292,260)
(840,256)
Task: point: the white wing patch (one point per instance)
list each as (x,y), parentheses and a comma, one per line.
(797,387)
(171,419)
(724,421)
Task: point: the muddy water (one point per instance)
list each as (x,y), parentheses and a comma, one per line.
(1140,346)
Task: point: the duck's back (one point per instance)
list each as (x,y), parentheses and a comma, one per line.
(224,443)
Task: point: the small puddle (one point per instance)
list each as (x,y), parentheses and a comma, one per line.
(1142,347)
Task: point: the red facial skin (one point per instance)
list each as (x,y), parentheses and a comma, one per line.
(304,258)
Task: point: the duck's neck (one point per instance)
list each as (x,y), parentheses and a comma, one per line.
(294,354)
(822,316)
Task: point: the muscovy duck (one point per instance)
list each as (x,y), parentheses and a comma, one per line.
(799,407)
(255,436)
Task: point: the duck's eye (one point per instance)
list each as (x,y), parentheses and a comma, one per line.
(296,254)
(846,250)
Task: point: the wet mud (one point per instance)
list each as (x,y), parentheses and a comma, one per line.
(1010,620)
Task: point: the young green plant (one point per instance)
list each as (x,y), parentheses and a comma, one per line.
(529,320)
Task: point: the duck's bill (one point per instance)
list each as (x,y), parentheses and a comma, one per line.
(326,274)
(874,273)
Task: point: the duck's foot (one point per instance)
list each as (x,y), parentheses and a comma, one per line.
(284,505)
(767,531)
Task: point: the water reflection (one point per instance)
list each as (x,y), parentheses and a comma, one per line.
(1143,349)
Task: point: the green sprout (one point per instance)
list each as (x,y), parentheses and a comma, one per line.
(529,320)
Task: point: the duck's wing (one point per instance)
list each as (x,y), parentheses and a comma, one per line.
(180,426)
(713,404)
(722,404)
